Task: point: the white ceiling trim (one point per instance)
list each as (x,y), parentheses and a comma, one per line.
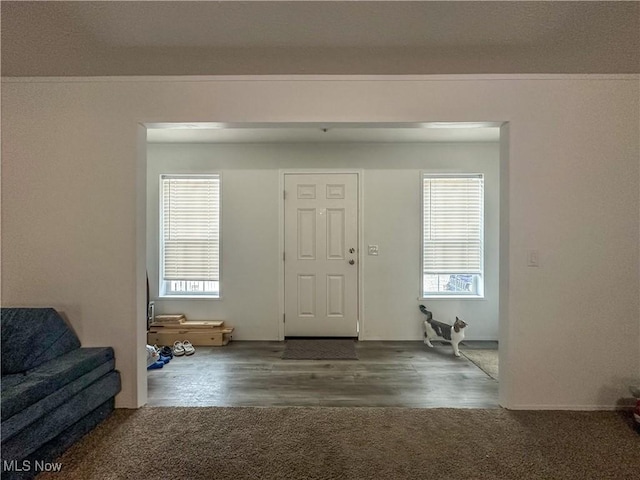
(328,133)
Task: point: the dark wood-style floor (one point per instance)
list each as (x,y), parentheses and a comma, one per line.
(387,374)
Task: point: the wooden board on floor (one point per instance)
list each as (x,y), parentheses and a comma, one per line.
(170,319)
(192,324)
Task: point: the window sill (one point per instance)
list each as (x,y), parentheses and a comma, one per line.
(457,297)
(190,297)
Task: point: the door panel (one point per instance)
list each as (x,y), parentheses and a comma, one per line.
(306,295)
(306,234)
(335,295)
(335,233)
(321,259)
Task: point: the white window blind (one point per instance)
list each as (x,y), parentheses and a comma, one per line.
(190,227)
(453,224)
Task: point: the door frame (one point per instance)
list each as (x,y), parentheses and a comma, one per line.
(281,226)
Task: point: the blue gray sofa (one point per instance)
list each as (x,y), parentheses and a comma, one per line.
(52,390)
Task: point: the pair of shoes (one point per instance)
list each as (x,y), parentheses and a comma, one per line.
(162,356)
(183,348)
(156,365)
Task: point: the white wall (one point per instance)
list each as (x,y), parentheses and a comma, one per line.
(391,219)
(72,216)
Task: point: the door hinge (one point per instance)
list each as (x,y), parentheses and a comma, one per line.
(283,256)
(284,194)
(284,320)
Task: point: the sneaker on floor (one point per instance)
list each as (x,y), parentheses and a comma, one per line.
(166,351)
(178,349)
(152,355)
(155,365)
(188,348)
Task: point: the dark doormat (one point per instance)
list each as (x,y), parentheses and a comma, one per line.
(320,349)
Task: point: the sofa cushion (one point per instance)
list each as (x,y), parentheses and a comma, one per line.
(21,390)
(32,336)
(37,434)
(36,412)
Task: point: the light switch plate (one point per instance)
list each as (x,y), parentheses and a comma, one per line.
(533,258)
(373,250)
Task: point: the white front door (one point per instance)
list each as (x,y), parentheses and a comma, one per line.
(321,255)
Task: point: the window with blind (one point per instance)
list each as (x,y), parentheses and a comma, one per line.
(190,235)
(453,235)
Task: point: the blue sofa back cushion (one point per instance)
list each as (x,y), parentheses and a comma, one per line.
(32,336)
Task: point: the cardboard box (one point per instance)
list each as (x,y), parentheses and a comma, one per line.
(203,338)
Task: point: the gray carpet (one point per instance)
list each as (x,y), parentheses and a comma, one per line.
(320,349)
(485,360)
(354,443)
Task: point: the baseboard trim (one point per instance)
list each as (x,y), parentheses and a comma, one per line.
(324,78)
(575,408)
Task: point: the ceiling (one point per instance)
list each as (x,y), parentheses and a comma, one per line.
(79,38)
(325,133)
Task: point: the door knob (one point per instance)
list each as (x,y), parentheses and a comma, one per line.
(351,262)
